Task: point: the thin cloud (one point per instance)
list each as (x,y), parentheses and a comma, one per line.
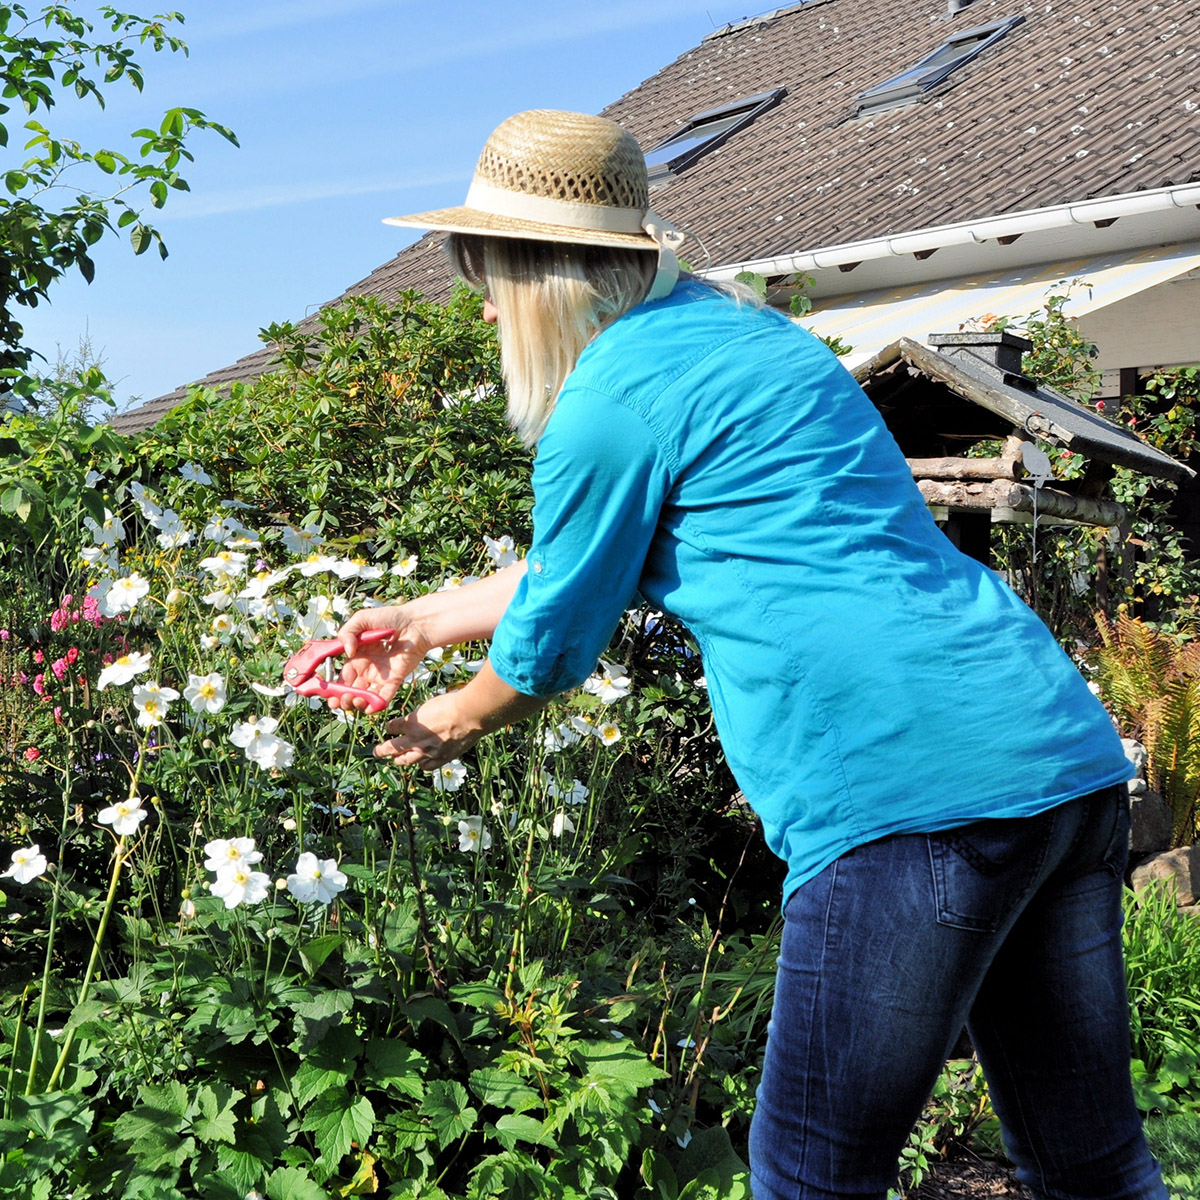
(243,200)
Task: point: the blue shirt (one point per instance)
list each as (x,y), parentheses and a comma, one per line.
(866,678)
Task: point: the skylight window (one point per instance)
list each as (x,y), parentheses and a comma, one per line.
(956,51)
(704,132)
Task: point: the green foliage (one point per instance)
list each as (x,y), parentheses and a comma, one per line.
(46,56)
(1162,965)
(1151,682)
(1175,1141)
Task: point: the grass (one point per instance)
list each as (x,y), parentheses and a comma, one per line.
(1175,1142)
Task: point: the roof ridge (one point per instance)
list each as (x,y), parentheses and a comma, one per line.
(764,18)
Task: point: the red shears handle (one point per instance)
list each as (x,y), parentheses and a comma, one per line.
(300,671)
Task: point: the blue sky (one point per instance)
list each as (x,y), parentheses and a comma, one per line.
(347,111)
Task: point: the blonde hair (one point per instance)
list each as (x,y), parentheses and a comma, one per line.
(552,299)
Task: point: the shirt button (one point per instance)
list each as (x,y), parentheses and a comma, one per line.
(537,568)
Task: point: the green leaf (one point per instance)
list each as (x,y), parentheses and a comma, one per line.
(445,1105)
(215,1122)
(619,1062)
(291,1183)
(140,237)
(331,1064)
(314,953)
(337,1123)
(503,1089)
(514,1127)
(394,1064)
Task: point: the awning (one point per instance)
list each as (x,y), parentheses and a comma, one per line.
(868,321)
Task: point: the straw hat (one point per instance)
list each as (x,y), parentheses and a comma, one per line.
(561,177)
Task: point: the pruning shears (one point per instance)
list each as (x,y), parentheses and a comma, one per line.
(302,671)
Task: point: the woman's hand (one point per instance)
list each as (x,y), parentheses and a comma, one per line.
(430,736)
(382,666)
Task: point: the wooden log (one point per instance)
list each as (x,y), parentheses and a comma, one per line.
(961,468)
(1004,493)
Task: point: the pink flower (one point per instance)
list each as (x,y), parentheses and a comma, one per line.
(3,635)
(1099,405)
(39,684)
(32,754)
(59,667)
(57,714)
(72,654)
(37,656)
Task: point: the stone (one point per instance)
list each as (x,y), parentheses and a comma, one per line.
(1150,823)
(1181,866)
(1136,753)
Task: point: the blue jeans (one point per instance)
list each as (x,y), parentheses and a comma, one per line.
(1011,927)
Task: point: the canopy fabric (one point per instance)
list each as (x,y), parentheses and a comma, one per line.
(868,321)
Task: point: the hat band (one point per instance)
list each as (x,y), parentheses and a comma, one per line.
(499,202)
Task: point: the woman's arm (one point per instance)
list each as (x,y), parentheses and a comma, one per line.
(435,619)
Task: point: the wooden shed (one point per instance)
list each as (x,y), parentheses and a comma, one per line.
(940,402)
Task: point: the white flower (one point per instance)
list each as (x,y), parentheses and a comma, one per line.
(205,693)
(261,584)
(577,793)
(173,532)
(280,690)
(561,824)
(261,745)
(559,738)
(152,702)
(122,595)
(236,504)
(27,864)
(223,625)
(123,670)
(302,541)
(92,478)
(449,778)
(125,816)
(99,559)
(608,733)
(220,599)
(315,564)
(406,566)
(370,571)
(472,837)
(610,683)
(208,642)
(194,474)
(224,853)
(226,564)
(316,879)
(322,617)
(243,539)
(583,724)
(501,550)
(237,885)
(347,568)
(444,660)
(456,581)
(110,533)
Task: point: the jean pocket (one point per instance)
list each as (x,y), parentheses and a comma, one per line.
(982,872)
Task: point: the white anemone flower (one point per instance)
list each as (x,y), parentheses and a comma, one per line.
(608,733)
(561,824)
(205,693)
(27,864)
(240,885)
(152,703)
(124,670)
(220,599)
(316,564)
(449,777)
(322,617)
(559,738)
(576,794)
(609,683)
(110,533)
(99,558)
(172,531)
(452,582)
(501,550)
(224,853)
(302,541)
(316,879)
(124,816)
(194,474)
(122,595)
(472,837)
(93,479)
(262,747)
(225,564)
(406,566)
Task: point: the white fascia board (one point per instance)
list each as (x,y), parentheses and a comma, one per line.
(1129,221)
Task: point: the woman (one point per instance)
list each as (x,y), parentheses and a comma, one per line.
(948,797)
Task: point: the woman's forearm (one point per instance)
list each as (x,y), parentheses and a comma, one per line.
(469,612)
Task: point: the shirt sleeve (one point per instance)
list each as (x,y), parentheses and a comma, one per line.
(599,482)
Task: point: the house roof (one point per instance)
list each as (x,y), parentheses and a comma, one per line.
(1083,99)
